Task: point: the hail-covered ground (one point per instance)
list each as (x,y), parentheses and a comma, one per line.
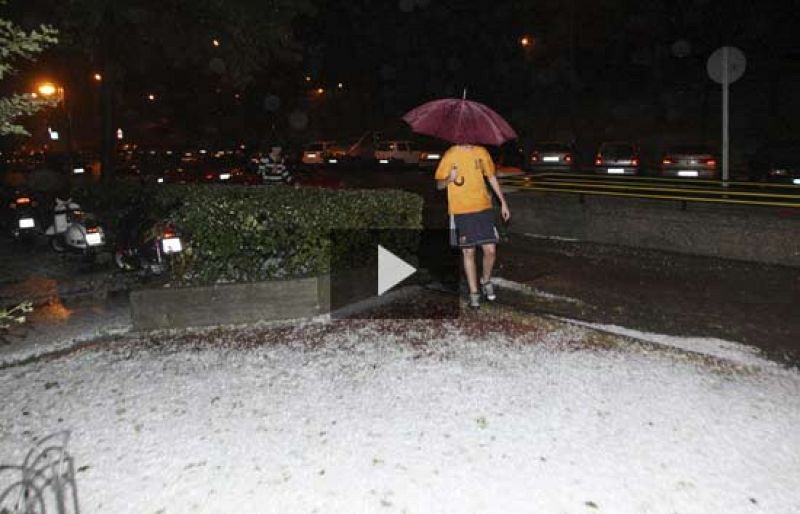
(490,413)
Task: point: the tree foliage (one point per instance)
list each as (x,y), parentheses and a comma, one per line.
(18,45)
(144,38)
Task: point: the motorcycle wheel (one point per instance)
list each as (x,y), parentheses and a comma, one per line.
(122,262)
(57,244)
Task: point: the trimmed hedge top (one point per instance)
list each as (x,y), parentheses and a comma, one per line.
(245,234)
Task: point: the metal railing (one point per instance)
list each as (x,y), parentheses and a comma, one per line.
(660,188)
(44,482)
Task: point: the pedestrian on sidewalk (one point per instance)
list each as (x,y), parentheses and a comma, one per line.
(463,171)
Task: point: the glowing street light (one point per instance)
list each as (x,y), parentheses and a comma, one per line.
(320,91)
(151,97)
(308,78)
(526,41)
(97,77)
(215,42)
(340,85)
(47,89)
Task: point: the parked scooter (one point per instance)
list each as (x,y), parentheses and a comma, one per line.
(74,231)
(21,218)
(148,246)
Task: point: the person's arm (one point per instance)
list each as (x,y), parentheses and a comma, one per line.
(451,177)
(504,211)
(489,172)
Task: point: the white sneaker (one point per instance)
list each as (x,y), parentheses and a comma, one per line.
(475,300)
(488,290)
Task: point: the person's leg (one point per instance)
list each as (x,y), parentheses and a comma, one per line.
(489,254)
(470,269)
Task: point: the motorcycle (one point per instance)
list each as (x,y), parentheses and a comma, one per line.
(22,219)
(73,230)
(149,246)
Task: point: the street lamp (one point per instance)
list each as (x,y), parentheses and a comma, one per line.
(50,90)
(526,41)
(97,77)
(47,89)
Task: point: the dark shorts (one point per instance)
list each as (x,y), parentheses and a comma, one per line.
(473,229)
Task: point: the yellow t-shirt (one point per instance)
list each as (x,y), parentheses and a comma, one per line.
(472,164)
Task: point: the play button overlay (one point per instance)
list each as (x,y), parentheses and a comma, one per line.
(392,274)
(391,270)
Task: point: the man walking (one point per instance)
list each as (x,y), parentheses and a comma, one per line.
(463,171)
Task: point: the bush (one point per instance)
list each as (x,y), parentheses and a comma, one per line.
(242,234)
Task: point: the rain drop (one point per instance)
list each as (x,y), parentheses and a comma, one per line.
(387,72)
(217,65)
(272,103)
(406,5)
(298,120)
(681,48)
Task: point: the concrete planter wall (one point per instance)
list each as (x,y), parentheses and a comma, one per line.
(225,304)
(758,234)
(182,307)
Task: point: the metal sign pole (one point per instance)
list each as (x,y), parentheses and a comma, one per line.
(724,66)
(725,134)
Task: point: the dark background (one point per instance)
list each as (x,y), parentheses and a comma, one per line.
(595,70)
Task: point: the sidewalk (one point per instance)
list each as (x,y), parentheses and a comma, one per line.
(675,294)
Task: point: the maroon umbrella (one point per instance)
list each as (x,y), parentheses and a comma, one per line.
(460,121)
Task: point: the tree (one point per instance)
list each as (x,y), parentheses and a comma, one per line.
(17,45)
(185,50)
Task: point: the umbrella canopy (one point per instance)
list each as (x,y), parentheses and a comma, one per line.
(460,121)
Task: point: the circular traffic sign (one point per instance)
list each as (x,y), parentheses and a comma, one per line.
(736,63)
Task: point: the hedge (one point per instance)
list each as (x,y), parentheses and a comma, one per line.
(244,234)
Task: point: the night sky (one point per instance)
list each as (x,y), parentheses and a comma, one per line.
(590,69)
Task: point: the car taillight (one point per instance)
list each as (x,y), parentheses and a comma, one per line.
(666,160)
(598,160)
(168,234)
(568,158)
(534,157)
(23,200)
(209,175)
(93,230)
(711,163)
(634,162)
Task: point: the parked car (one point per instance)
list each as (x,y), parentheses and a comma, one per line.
(690,161)
(777,162)
(229,170)
(552,156)
(508,158)
(617,158)
(431,152)
(318,153)
(400,153)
